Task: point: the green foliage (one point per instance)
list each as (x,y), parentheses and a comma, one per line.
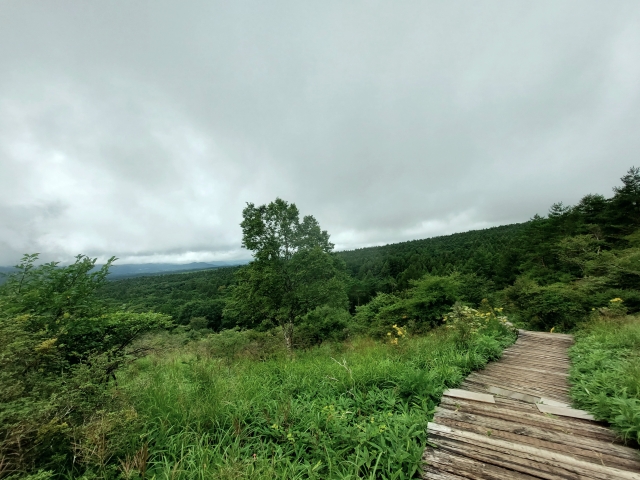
(59,347)
(180,295)
(227,344)
(557,305)
(216,401)
(292,272)
(356,412)
(324,323)
(51,292)
(421,307)
(605,372)
(198,323)
(493,253)
(590,243)
(626,202)
(468,322)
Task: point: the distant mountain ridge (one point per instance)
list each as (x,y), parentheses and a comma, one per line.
(134,270)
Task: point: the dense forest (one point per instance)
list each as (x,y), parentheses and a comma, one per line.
(306,363)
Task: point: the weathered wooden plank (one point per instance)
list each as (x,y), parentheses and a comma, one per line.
(595,447)
(466,394)
(518,369)
(526,359)
(518,374)
(520,386)
(537,361)
(531,373)
(434,473)
(565,425)
(548,401)
(512,394)
(526,455)
(591,450)
(539,382)
(504,459)
(565,412)
(483,385)
(551,336)
(466,467)
(554,391)
(551,364)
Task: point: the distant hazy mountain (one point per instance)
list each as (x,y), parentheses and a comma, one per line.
(4,271)
(133,270)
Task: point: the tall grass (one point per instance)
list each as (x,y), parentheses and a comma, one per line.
(357,410)
(605,372)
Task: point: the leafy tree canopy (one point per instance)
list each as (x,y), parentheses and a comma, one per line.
(59,348)
(292,273)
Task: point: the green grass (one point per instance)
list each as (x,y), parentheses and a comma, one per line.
(605,373)
(357,410)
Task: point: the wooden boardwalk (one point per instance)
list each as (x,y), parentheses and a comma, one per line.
(513,420)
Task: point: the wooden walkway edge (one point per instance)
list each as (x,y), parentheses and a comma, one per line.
(513,420)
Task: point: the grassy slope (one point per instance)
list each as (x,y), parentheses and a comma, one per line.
(605,373)
(352,411)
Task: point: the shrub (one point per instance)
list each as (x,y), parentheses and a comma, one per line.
(559,305)
(467,322)
(322,324)
(422,306)
(59,351)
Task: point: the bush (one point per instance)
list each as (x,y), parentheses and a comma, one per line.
(59,351)
(559,305)
(49,407)
(211,310)
(421,307)
(467,322)
(322,324)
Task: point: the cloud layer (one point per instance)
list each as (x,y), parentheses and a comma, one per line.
(140,129)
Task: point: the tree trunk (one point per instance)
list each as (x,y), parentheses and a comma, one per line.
(287,329)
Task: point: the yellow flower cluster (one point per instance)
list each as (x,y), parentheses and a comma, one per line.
(616,300)
(398,332)
(468,321)
(371,428)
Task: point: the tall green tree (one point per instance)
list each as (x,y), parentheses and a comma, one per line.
(293,271)
(626,202)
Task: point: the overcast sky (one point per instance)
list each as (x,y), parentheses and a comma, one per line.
(140,128)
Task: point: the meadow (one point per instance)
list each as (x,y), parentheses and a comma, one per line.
(353,410)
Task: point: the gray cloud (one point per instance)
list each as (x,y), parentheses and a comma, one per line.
(140,129)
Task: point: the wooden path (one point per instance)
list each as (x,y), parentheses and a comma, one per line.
(512,420)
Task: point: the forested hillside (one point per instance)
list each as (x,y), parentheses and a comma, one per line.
(488,253)
(182,295)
